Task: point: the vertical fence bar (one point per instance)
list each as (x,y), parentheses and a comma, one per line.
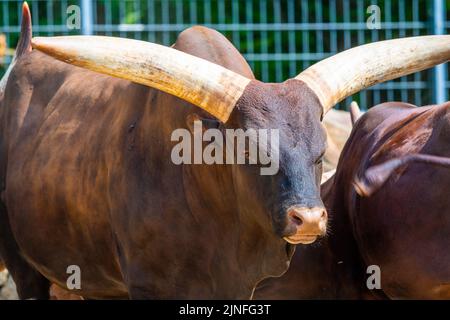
(137,10)
(64,14)
(151,19)
(35,12)
(388,35)
(108,16)
(235,20)
(207,12)
(333,19)
(49,13)
(221,11)
(87,19)
(250,35)
(417,75)
(291,40)
(278,44)
(94,16)
(305,34)
(165,21)
(347,44)
(179,17)
(440,94)
(264,46)
(347,19)
(374,35)
(318,11)
(402,18)
(122,15)
(361,40)
(193,11)
(5,7)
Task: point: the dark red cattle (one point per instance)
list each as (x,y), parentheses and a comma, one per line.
(400,156)
(87,177)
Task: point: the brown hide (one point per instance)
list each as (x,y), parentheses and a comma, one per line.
(403,228)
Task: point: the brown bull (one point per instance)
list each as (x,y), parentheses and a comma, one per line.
(87,177)
(400,156)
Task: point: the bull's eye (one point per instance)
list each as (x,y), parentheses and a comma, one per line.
(320,159)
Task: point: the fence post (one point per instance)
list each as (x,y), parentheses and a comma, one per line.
(87,21)
(439,90)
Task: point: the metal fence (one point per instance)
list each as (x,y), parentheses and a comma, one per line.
(279,38)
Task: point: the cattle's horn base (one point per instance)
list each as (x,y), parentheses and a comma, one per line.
(353,70)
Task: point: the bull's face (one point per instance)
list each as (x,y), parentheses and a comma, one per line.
(288,200)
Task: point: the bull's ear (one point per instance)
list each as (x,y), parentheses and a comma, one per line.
(375,177)
(207,85)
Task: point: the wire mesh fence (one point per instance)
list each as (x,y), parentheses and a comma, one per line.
(279,38)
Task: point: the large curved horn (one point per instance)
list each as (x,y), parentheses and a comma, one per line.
(348,72)
(205,84)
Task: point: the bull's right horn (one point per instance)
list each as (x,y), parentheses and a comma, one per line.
(353,70)
(200,82)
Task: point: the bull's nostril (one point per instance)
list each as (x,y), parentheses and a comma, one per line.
(296,219)
(324,214)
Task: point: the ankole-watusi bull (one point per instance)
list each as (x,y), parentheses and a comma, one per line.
(389,208)
(87,175)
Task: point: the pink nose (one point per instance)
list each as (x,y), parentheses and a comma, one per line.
(307,223)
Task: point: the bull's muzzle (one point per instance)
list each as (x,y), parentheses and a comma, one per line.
(305,225)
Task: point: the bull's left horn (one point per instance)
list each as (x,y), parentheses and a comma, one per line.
(353,70)
(200,82)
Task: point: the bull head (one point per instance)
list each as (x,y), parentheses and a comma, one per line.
(295,107)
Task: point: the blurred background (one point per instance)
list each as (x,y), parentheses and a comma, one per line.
(279,38)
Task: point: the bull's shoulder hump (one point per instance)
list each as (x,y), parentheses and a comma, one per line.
(37,66)
(211,45)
